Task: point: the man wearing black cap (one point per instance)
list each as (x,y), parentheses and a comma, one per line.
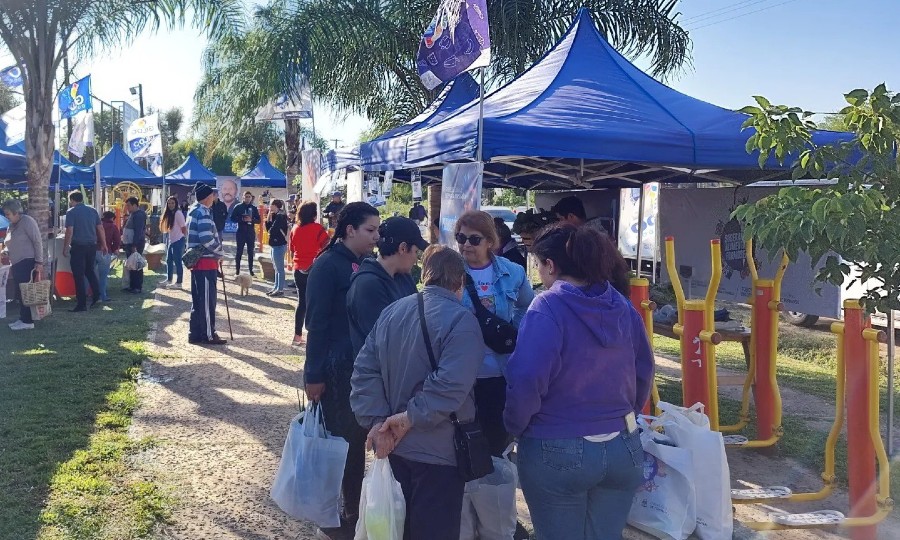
(382,281)
(334,207)
(202,232)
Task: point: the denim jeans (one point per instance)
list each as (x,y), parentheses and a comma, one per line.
(277,253)
(102,264)
(576,489)
(173,260)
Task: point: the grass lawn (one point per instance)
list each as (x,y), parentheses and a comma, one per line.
(66,404)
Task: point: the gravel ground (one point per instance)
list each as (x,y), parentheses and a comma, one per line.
(219,417)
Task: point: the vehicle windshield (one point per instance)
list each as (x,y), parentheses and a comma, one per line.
(503,213)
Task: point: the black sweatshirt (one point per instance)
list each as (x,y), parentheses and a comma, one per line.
(277,225)
(245,230)
(371,290)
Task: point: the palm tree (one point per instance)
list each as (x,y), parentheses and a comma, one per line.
(40,33)
(359,55)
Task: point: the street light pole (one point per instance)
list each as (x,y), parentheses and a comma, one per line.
(139,91)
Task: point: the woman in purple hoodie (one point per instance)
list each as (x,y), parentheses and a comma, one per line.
(581,371)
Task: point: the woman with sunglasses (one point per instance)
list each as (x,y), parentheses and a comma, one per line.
(501,287)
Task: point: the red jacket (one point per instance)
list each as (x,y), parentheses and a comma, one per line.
(305,243)
(113,236)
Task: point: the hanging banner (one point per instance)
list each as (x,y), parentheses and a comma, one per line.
(311,160)
(373,190)
(388,185)
(155,163)
(457,40)
(75,98)
(228,188)
(12,76)
(415,177)
(629,212)
(82,133)
(144,138)
(460,192)
(354,186)
(287,107)
(12,122)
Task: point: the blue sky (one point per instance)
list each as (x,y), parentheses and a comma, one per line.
(806,53)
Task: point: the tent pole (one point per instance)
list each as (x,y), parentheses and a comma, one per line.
(481,117)
(640,231)
(890,384)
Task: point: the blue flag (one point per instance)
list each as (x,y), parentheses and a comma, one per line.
(12,76)
(457,40)
(75,98)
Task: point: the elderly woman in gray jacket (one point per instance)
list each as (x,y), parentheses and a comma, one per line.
(407,406)
(26,254)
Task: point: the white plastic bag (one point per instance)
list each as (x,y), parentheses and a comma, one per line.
(689,428)
(489,503)
(382,507)
(307,485)
(4,276)
(135,262)
(664,504)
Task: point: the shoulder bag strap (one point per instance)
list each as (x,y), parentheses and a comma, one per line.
(425,332)
(473,294)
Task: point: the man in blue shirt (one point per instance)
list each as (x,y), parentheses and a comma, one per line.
(84,235)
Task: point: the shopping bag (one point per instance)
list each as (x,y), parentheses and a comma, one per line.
(135,262)
(689,429)
(382,507)
(307,485)
(493,500)
(4,277)
(40,312)
(468,526)
(664,504)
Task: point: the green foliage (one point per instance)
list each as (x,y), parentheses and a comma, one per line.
(217,161)
(509,197)
(8,99)
(855,217)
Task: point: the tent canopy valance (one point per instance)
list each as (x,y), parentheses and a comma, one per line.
(264,175)
(584,116)
(190,172)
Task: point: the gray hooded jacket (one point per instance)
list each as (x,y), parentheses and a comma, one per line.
(392,373)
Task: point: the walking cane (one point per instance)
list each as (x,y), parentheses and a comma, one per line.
(224,292)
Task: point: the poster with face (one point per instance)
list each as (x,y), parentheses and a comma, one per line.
(461,192)
(311,160)
(228,189)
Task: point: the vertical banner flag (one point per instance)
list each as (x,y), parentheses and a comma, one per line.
(415,178)
(457,40)
(460,192)
(373,187)
(75,98)
(629,212)
(12,76)
(12,122)
(310,166)
(144,138)
(82,133)
(354,186)
(155,163)
(388,185)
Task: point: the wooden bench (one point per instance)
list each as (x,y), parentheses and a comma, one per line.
(737,336)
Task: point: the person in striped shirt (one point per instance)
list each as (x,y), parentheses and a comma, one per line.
(202,232)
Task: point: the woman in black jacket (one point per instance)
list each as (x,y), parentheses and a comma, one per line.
(329,352)
(277,225)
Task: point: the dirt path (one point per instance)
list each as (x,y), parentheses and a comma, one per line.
(219,417)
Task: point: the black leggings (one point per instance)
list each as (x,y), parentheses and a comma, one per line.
(490,399)
(300,279)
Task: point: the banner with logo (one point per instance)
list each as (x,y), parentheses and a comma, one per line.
(629,212)
(457,40)
(229,188)
(82,133)
(460,192)
(75,98)
(12,76)
(144,138)
(373,188)
(415,179)
(388,185)
(287,107)
(309,171)
(13,124)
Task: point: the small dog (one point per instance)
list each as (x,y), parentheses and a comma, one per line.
(245,281)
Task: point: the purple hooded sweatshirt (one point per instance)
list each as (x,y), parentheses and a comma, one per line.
(582,363)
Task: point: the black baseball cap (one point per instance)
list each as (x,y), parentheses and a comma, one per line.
(398,229)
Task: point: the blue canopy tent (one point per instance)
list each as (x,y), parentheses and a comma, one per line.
(190,172)
(116,166)
(264,175)
(583,116)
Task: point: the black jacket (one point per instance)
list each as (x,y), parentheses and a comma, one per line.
(513,254)
(245,230)
(277,225)
(328,338)
(371,290)
(219,214)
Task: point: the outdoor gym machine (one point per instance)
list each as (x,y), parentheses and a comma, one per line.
(857,377)
(761,377)
(640,299)
(696,331)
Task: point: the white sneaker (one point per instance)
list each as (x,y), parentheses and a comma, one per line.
(15,323)
(19,325)
(173,286)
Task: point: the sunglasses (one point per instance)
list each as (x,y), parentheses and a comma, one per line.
(473,240)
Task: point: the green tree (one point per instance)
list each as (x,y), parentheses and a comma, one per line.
(40,33)
(856,217)
(215,159)
(359,56)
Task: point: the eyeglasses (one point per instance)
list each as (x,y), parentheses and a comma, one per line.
(473,240)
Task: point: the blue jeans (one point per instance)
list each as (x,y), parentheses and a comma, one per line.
(580,490)
(173,260)
(278,262)
(102,264)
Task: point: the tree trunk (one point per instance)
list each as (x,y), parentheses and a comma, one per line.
(39,145)
(291,150)
(434,208)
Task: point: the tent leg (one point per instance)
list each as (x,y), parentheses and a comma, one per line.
(640,231)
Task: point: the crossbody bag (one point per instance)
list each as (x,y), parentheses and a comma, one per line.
(473,455)
(498,334)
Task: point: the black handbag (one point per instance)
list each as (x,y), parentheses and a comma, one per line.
(192,256)
(473,455)
(498,334)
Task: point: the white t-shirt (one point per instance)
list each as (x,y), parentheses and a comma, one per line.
(484,286)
